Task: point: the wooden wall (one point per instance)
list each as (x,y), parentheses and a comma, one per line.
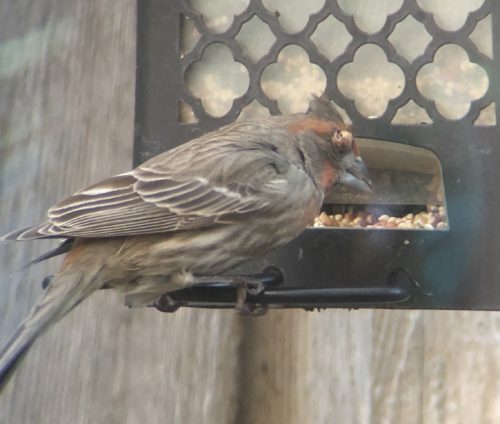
(66,120)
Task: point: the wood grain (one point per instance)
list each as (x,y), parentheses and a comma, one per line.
(66,120)
(372,367)
(67,99)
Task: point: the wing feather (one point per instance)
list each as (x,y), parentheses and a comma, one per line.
(212,180)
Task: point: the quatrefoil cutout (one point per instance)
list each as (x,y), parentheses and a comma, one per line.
(292,80)
(410,38)
(487,117)
(293,14)
(217,79)
(255,38)
(253,110)
(218,15)
(411,114)
(452,81)
(370,16)
(370,80)
(331,38)
(450,15)
(482,36)
(189,36)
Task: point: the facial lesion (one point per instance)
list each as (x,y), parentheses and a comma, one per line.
(342,139)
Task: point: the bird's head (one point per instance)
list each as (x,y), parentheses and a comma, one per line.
(344,164)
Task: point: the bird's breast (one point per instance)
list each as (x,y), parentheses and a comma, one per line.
(328,176)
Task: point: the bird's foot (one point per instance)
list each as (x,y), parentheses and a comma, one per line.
(245,287)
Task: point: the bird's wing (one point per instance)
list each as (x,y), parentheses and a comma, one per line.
(193,186)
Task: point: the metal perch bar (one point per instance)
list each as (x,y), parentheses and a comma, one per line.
(260,290)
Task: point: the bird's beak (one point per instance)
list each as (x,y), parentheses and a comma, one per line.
(355,174)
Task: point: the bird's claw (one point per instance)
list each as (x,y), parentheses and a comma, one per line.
(245,287)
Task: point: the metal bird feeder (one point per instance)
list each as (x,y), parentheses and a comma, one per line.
(444,169)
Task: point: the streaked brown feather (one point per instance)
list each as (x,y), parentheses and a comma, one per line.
(212,180)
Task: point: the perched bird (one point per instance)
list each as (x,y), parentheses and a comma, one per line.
(196,210)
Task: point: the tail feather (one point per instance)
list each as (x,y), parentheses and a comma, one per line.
(12,355)
(62,295)
(63,248)
(33,232)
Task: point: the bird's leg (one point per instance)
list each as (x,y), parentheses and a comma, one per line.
(244,285)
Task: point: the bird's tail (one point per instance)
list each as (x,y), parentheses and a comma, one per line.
(65,292)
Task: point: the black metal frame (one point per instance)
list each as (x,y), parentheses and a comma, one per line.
(455,269)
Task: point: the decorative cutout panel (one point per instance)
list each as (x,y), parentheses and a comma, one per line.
(374,60)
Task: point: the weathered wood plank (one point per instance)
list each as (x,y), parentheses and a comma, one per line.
(307,367)
(462,367)
(67,71)
(372,367)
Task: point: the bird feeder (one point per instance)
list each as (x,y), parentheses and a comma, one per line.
(419,84)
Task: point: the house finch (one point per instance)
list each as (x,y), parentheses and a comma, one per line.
(199,209)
